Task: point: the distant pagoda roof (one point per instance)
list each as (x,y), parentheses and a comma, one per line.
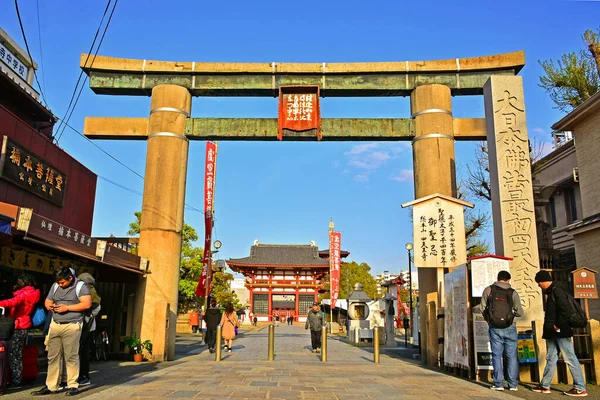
(281,255)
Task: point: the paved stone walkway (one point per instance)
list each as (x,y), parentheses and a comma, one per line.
(296,373)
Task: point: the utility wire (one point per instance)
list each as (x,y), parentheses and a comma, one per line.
(29,53)
(37,6)
(81,73)
(102,150)
(122,164)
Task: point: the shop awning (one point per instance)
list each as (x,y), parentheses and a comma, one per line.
(53,236)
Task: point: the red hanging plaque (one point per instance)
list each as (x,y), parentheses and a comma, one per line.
(299,111)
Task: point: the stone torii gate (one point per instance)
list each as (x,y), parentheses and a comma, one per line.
(431,129)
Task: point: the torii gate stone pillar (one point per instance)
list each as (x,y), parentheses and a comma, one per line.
(434,171)
(162,218)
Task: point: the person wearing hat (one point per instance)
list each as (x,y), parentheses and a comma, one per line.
(558,333)
(315,322)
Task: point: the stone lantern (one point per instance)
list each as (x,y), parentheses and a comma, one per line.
(358,308)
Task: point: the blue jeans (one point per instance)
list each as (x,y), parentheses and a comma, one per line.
(504,342)
(565,346)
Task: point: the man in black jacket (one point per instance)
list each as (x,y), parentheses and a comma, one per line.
(558,333)
(314,322)
(212,317)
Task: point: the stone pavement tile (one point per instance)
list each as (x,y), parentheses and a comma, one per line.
(300,387)
(350,396)
(326,389)
(184,394)
(152,393)
(221,391)
(243,394)
(318,396)
(263,383)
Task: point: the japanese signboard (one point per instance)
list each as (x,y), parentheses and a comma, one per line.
(30,260)
(299,111)
(439,231)
(513,208)
(456,323)
(584,283)
(32,173)
(203,287)
(482,346)
(484,271)
(335,243)
(526,348)
(9,58)
(54,232)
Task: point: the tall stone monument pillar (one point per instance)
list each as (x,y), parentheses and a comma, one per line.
(510,178)
(162,218)
(434,171)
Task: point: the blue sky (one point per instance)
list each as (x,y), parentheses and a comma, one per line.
(287,192)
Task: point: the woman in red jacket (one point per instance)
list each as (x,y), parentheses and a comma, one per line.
(21,307)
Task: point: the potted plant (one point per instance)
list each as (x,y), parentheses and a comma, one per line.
(137,346)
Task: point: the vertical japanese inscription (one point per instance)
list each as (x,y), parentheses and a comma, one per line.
(510,175)
(438,226)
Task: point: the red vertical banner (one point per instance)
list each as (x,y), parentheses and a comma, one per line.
(203,288)
(335,243)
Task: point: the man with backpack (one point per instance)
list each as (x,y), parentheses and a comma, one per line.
(68,299)
(500,304)
(562,315)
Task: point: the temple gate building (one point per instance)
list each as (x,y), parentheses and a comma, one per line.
(283,280)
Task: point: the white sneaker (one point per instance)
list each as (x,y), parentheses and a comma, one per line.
(514,389)
(496,388)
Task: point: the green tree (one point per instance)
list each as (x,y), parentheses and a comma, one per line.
(575,77)
(356,273)
(221,289)
(190,270)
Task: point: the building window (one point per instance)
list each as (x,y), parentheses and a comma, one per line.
(552,213)
(571,205)
(305,302)
(260,304)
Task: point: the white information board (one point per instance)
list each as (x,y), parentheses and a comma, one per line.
(484,272)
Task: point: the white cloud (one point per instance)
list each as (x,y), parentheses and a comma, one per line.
(406,175)
(538,131)
(361,148)
(362,177)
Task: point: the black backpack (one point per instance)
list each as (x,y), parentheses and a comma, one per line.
(577,318)
(499,310)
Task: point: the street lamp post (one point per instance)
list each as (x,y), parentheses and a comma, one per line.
(409,246)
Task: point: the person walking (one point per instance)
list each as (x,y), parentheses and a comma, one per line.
(212,317)
(255,320)
(229,322)
(500,304)
(68,299)
(88,329)
(315,322)
(21,305)
(558,333)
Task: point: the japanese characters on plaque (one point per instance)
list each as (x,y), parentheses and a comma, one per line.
(335,243)
(54,232)
(299,109)
(584,283)
(438,232)
(9,58)
(32,173)
(510,177)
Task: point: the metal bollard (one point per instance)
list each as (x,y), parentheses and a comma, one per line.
(271,342)
(376,344)
(324,344)
(218,346)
